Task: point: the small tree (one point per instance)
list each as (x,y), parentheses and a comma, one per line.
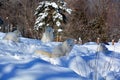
(52,14)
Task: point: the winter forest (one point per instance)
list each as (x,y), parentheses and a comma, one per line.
(59,39)
(88,17)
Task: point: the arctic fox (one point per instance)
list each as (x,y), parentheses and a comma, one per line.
(60,50)
(13,36)
(47,35)
(102,48)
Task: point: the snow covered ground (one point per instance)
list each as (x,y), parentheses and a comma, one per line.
(85,62)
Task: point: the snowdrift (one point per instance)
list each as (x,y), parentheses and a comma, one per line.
(85,62)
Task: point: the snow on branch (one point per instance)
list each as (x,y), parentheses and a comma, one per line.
(51,13)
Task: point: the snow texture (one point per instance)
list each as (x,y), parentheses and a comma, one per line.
(84,62)
(60,30)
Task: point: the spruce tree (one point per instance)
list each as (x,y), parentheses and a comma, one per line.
(51,14)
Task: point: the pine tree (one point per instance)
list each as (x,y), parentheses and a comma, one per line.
(51,14)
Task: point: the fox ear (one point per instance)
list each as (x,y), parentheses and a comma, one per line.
(70,42)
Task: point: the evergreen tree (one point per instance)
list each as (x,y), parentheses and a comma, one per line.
(52,14)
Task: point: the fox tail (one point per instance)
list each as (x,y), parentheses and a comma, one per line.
(45,53)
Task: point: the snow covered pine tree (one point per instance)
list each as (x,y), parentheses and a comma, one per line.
(51,14)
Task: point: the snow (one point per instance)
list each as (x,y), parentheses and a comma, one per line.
(54,5)
(60,30)
(85,62)
(43,11)
(58,23)
(69,10)
(57,16)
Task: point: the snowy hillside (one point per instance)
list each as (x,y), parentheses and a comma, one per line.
(85,62)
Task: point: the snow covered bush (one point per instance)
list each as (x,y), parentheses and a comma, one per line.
(51,14)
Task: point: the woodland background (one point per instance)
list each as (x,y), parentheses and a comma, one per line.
(89,19)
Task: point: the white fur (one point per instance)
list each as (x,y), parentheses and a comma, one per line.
(47,35)
(59,51)
(102,48)
(13,36)
(65,48)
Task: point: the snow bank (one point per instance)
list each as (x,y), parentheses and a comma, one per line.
(85,62)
